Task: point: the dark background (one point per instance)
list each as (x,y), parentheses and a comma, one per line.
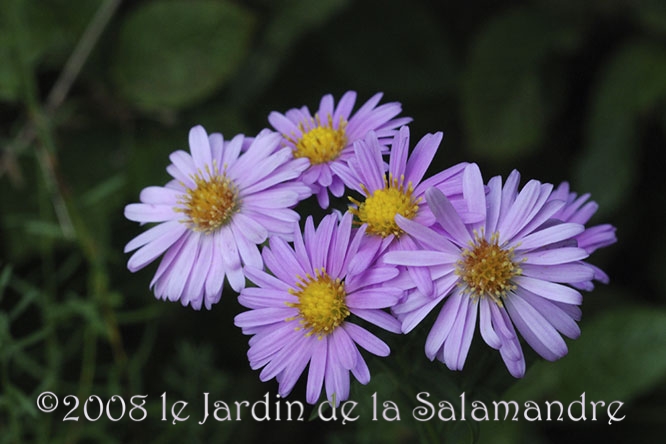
(561,90)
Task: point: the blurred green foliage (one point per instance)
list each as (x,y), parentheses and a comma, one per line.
(94,96)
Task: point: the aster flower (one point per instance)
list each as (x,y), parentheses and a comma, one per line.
(211,216)
(302,312)
(578,209)
(402,191)
(327,138)
(507,270)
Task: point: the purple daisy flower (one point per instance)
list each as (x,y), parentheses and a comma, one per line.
(215,211)
(507,270)
(327,138)
(301,312)
(402,192)
(578,209)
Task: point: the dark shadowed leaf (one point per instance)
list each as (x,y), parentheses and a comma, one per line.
(290,21)
(419,62)
(47,31)
(503,107)
(652,13)
(631,85)
(172,54)
(627,344)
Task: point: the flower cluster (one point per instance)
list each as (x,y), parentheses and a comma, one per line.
(511,257)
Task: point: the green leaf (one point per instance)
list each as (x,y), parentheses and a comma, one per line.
(10,75)
(619,355)
(49,29)
(503,105)
(172,54)
(631,85)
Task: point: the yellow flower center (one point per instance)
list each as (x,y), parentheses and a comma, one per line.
(321,304)
(379,209)
(486,269)
(212,203)
(320,143)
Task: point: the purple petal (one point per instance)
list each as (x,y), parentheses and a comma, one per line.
(248,250)
(281,261)
(340,242)
(378,297)
(377,275)
(361,372)
(447,216)
(216,142)
(563,273)
(366,340)
(455,345)
(140,212)
(420,258)
(184,163)
(443,324)
(336,379)
(509,192)
(596,237)
(557,317)
(422,278)
(215,278)
(415,317)
(426,236)
(494,202)
(536,330)
(162,230)
(200,148)
(468,333)
(182,267)
(322,241)
(549,290)
(165,263)
(343,348)
(556,256)
(252,230)
(160,195)
(379,318)
(263,279)
(153,249)
(230,259)
(232,150)
(316,371)
(485,325)
(262,316)
(322,198)
(541,217)
(550,235)
(399,151)
(271,199)
(345,106)
(370,159)
(265,346)
(255,297)
(283,124)
(325,176)
(474,192)
(517,214)
(421,157)
(182,179)
(346,178)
